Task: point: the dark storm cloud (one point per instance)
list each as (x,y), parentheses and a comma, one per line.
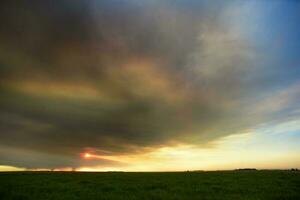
(118,76)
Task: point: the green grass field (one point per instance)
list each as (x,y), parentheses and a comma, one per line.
(232,185)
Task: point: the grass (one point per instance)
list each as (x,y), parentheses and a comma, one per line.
(246,185)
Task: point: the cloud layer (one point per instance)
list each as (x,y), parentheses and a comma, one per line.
(122,77)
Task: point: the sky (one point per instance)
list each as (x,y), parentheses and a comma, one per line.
(140,85)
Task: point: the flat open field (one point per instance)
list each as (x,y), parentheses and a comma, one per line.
(233,185)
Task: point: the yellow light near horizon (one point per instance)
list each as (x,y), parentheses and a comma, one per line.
(227,153)
(87,155)
(5,168)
